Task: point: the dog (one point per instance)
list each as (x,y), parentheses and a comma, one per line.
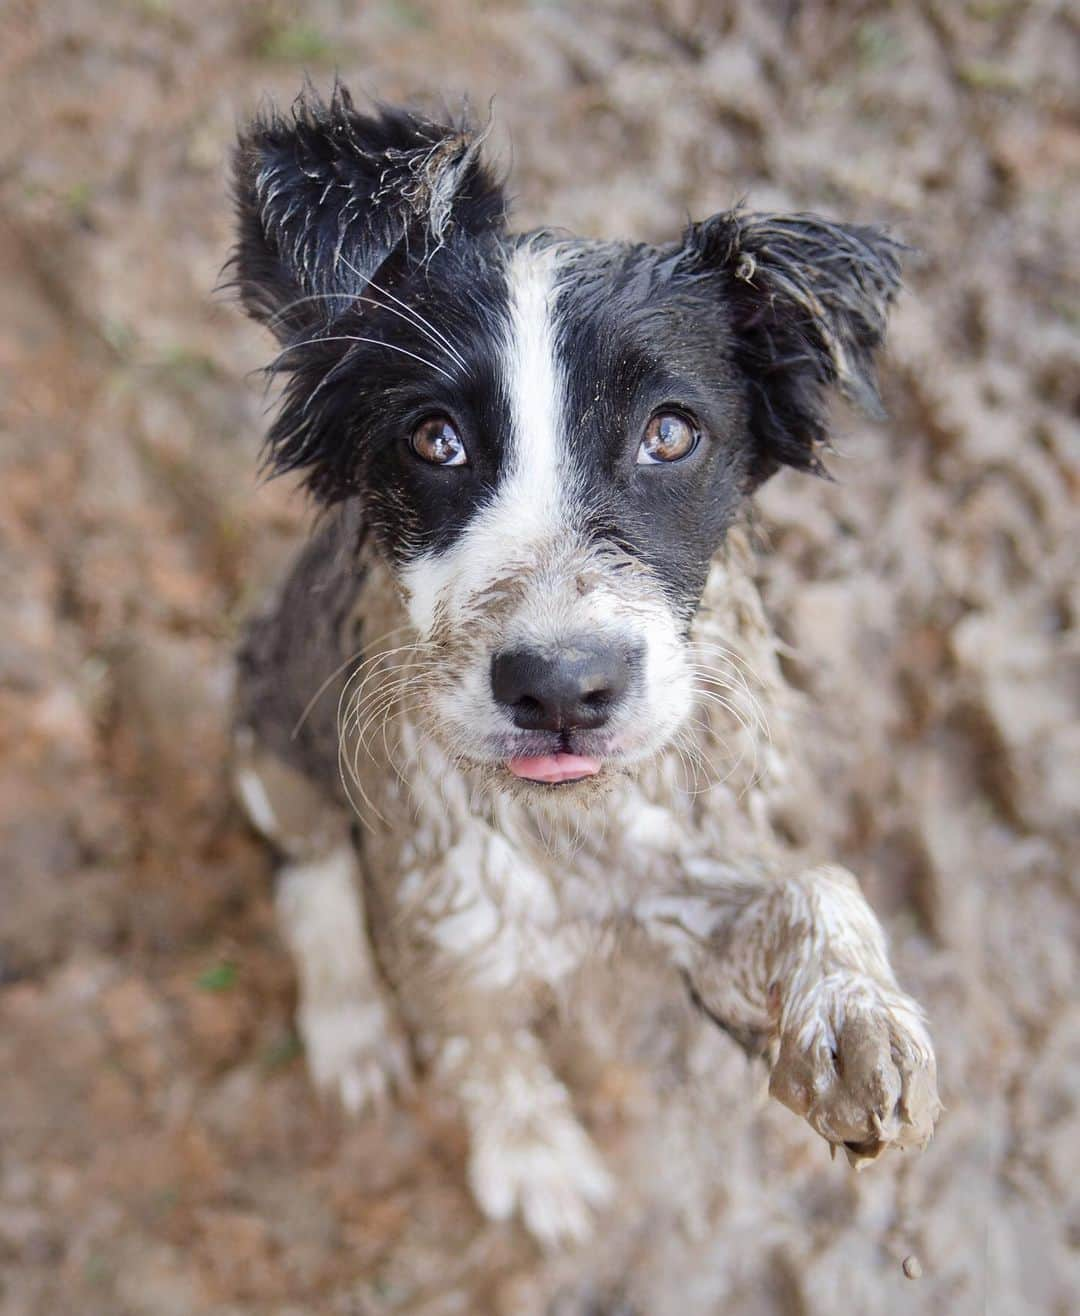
(517,698)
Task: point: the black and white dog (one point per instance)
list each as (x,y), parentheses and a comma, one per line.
(525,638)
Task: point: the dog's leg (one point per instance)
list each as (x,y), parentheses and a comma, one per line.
(800,965)
(528,1153)
(482,943)
(354,1047)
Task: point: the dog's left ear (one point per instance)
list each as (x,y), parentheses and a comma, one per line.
(330,205)
(326,196)
(809,300)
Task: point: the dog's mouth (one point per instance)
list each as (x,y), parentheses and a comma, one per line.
(560,759)
(572,760)
(556,769)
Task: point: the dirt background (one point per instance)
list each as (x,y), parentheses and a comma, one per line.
(160,1150)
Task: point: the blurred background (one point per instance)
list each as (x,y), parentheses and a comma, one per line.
(160,1150)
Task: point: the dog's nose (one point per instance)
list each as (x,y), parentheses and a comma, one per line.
(574,686)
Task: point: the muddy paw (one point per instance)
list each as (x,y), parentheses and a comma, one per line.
(355,1053)
(855,1060)
(548,1171)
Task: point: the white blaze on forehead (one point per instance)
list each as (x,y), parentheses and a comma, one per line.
(530,494)
(529,503)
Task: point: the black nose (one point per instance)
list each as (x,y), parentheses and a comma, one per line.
(576,685)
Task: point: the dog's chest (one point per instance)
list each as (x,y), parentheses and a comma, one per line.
(518,896)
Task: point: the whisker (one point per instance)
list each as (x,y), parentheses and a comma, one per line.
(422,320)
(276,319)
(379,706)
(413,317)
(321,691)
(357,338)
(362,717)
(708,767)
(350,705)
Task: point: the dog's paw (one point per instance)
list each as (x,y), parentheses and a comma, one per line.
(355,1053)
(545,1169)
(855,1060)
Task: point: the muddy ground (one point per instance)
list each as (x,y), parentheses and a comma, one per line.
(160,1150)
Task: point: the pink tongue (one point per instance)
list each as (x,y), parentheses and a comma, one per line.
(554,767)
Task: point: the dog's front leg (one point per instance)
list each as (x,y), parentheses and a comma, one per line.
(354,1044)
(528,1153)
(481,941)
(355,1048)
(800,965)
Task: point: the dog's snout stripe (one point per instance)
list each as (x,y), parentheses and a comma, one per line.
(532,489)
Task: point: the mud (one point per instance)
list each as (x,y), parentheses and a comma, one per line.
(160,1150)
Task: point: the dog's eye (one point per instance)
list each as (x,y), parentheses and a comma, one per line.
(669,437)
(436,441)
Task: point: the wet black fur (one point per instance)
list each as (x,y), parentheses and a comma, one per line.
(745,322)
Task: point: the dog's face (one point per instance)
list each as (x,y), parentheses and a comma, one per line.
(548,437)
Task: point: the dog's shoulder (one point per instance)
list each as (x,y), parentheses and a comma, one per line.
(294,656)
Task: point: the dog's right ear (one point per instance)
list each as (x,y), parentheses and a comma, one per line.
(326,195)
(808,300)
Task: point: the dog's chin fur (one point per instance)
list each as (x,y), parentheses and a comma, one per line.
(561,799)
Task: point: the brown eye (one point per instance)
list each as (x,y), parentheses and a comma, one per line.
(668,438)
(436,441)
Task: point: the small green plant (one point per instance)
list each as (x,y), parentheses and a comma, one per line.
(219,977)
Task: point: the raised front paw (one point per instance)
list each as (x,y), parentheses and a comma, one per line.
(547,1169)
(355,1052)
(855,1060)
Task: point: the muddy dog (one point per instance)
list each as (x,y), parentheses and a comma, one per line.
(524,644)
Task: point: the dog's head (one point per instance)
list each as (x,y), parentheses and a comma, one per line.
(548,437)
